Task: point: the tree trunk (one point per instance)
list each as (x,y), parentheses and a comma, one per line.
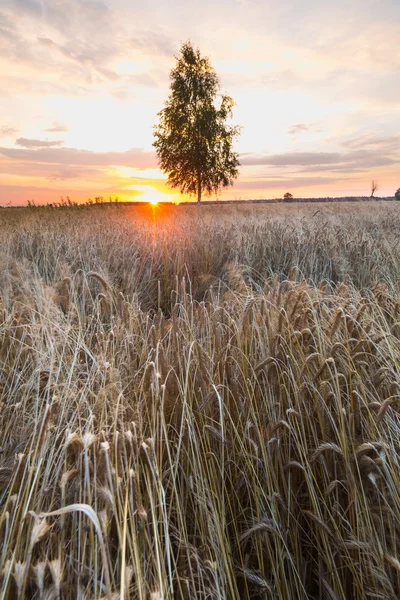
(198,187)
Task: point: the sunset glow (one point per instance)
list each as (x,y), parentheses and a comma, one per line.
(154,197)
(82,83)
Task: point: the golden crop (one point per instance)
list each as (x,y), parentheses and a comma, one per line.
(200,402)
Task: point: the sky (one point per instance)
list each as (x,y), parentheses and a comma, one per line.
(316,86)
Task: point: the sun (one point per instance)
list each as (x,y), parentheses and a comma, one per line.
(153,197)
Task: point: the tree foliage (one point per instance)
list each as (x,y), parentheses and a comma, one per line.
(397,194)
(288,196)
(193,140)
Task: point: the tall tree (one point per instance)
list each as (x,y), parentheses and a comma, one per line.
(193,139)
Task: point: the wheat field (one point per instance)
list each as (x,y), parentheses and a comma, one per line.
(200,402)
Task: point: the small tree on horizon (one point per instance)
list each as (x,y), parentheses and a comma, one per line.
(193,140)
(288,196)
(374,187)
(397,194)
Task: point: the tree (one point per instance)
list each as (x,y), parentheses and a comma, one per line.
(374,187)
(193,140)
(397,194)
(288,196)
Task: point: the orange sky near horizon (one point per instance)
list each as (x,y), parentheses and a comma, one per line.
(316,88)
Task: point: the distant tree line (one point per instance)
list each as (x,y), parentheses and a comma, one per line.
(68,203)
(288,197)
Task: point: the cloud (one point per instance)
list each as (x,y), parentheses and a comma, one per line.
(134,158)
(292,159)
(50,171)
(74,43)
(290,182)
(86,56)
(29,143)
(155,43)
(6,34)
(69,15)
(12,86)
(6,131)
(57,128)
(386,143)
(352,41)
(323,161)
(300,128)
(6,22)
(360,166)
(278,80)
(334,169)
(30,6)
(282,79)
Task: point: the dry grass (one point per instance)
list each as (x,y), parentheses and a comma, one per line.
(203,404)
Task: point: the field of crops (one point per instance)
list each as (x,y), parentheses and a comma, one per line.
(200,402)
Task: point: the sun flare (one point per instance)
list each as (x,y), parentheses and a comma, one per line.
(154,197)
